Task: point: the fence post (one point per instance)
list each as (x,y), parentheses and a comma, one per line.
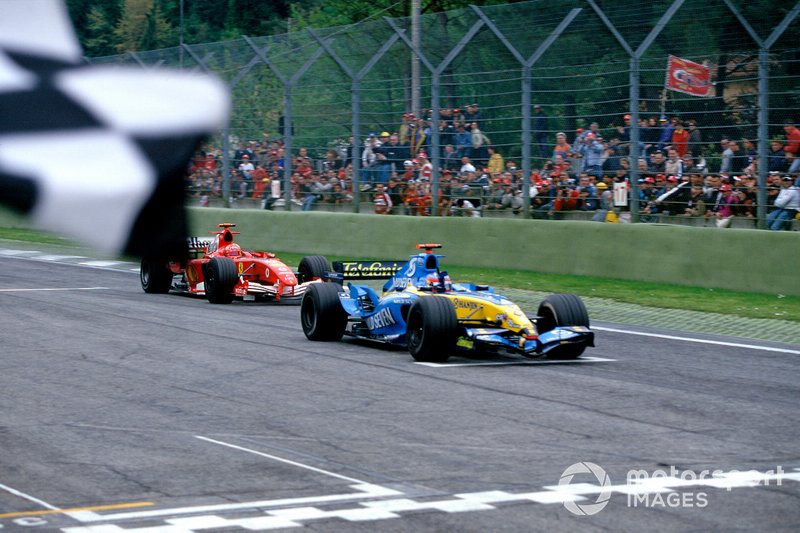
(226,131)
(527,66)
(635,83)
(635,80)
(763,101)
(436,72)
(355,102)
(526,139)
(288,85)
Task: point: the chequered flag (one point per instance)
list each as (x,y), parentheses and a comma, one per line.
(96,152)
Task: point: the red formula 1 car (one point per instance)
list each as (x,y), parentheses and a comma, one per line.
(219,269)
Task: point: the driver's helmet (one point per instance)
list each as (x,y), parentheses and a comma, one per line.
(233,250)
(432,280)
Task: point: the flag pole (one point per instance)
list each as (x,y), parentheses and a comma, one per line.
(664,90)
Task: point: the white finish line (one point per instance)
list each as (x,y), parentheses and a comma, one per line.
(391,507)
(364,491)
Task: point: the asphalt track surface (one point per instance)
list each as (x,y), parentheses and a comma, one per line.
(122,411)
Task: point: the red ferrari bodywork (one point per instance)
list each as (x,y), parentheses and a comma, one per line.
(260,274)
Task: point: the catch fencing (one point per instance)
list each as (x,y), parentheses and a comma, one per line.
(581,61)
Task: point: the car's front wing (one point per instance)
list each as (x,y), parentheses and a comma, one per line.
(478,338)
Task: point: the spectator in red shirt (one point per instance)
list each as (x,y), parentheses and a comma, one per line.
(302,167)
(680,139)
(260,181)
(204,160)
(793,138)
(566,198)
(421,203)
(210,162)
(410,171)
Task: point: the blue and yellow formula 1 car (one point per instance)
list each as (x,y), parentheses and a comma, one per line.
(423,310)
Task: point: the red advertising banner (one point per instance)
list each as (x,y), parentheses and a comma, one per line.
(688,77)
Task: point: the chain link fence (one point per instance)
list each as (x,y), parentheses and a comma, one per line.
(499,84)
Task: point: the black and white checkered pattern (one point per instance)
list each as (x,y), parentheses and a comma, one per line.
(96,152)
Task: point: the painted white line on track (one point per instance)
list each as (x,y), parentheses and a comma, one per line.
(109,265)
(701,341)
(39,289)
(100,263)
(282,460)
(28,497)
(55,258)
(522,362)
(16,253)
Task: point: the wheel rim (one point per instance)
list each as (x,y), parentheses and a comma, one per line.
(210,280)
(414,331)
(145,274)
(548,321)
(308,316)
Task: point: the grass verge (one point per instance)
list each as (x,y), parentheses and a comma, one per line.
(31,235)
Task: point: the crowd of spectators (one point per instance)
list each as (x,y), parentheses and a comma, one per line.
(586,170)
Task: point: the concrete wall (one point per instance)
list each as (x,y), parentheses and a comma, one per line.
(748,260)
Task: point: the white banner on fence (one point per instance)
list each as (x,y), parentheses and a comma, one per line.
(620,194)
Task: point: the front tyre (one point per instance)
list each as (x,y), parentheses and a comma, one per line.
(220,278)
(563,310)
(432,329)
(155,276)
(312,267)
(321,313)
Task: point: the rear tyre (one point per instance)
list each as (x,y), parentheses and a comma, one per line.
(321,313)
(312,266)
(563,310)
(432,329)
(155,276)
(220,278)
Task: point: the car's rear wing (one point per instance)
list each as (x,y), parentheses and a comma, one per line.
(198,245)
(367,269)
